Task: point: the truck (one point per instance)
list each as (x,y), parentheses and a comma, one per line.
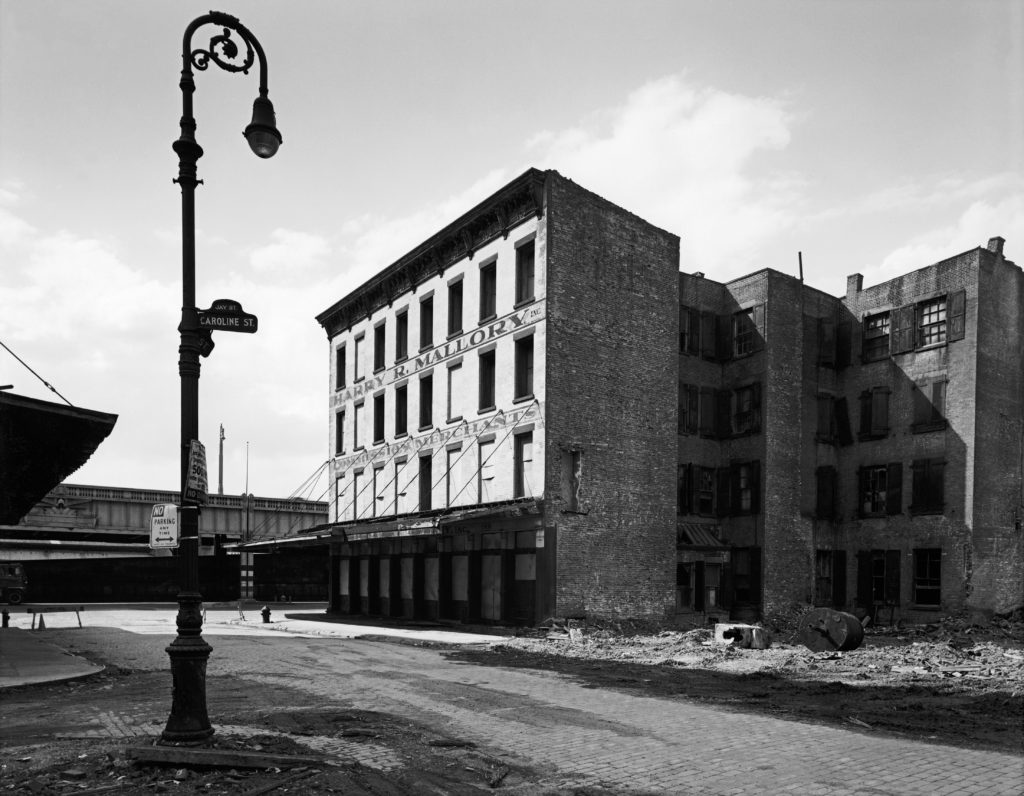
(13,582)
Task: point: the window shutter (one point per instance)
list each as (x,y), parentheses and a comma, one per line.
(826,342)
(683,489)
(723,413)
(892,577)
(957,315)
(865,412)
(918,489)
(724,338)
(863,487)
(707,411)
(894,488)
(692,408)
(839,578)
(758,318)
(754,575)
(755,406)
(935,485)
(826,483)
(903,332)
(880,411)
(843,422)
(708,349)
(844,344)
(922,407)
(755,487)
(864,580)
(723,484)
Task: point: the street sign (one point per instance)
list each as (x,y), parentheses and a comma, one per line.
(163,526)
(195,485)
(227,315)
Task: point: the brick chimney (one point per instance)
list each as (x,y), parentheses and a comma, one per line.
(995,245)
(854,285)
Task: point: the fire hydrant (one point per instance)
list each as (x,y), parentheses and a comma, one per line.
(266,615)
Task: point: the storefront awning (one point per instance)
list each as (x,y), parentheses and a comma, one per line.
(691,534)
(41,444)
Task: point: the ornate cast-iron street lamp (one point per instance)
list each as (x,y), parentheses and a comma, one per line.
(188,652)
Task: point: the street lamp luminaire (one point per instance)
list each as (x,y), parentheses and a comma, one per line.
(188,652)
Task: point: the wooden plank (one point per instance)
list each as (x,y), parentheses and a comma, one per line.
(185,756)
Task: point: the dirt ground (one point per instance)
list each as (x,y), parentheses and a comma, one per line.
(950,683)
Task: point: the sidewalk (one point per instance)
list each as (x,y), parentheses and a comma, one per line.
(27,658)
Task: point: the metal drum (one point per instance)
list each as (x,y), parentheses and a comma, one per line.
(828,630)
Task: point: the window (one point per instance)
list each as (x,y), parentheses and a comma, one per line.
(454,392)
(357,359)
(485,471)
(339,368)
(830,580)
(746,409)
(825,481)
(929,406)
(931,322)
(524,367)
(738,489)
(880,490)
(378,347)
(455,308)
(706,491)
(426,402)
(488,291)
(425,482)
(340,503)
(378,507)
(571,478)
(451,492)
(876,337)
(878,578)
(486,387)
(522,465)
(874,413)
(928,486)
(689,403)
(358,485)
(928,577)
(524,273)
(689,331)
(402,335)
(744,332)
(426,323)
(378,418)
(401,410)
(339,433)
(357,426)
(826,431)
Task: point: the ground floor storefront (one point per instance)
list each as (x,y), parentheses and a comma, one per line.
(490,566)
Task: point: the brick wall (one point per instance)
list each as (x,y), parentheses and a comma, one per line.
(611,362)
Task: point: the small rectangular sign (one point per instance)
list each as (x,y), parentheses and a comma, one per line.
(196,485)
(163,526)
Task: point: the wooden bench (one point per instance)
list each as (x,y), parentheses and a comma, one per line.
(52,609)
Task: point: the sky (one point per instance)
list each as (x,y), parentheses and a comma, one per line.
(867,137)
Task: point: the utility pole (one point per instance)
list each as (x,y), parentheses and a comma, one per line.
(220,463)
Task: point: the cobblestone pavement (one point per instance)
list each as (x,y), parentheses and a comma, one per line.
(570,736)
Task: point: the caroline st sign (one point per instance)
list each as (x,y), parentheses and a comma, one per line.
(227,316)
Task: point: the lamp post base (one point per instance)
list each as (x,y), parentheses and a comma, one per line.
(189,721)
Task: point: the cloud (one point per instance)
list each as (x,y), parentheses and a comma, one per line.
(290,251)
(684,158)
(981,220)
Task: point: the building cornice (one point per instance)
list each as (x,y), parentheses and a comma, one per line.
(494,217)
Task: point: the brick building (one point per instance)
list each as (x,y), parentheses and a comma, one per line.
(534,414)
(862,452)
(503,416)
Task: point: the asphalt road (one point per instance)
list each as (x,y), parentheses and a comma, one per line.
(423,721)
